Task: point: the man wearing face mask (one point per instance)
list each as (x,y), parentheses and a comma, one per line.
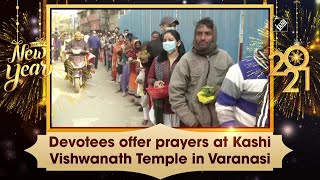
(170,23)
(238,102)
(204,65)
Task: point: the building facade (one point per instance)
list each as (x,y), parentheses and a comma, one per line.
(64,21)
(98,20)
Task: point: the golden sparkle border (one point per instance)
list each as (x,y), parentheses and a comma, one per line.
(49,7)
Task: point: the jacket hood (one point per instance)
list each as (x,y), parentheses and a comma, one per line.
(211,49)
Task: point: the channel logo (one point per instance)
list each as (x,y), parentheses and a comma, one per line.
(281,25)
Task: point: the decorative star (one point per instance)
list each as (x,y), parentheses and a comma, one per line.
(296,57)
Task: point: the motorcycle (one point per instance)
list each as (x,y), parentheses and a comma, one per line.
(78,68)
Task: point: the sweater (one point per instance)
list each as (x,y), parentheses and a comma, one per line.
(237,102)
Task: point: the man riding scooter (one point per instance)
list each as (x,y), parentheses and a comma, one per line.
(76,43)
(77,67)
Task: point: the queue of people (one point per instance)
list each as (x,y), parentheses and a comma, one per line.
(163,61)
(238,88)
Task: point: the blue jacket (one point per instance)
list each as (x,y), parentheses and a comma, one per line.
(94,42)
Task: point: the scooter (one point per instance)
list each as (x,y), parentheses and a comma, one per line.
(78,68)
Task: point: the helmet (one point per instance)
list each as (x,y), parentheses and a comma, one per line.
(77,36)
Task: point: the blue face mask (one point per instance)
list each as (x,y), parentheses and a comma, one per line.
(169,46)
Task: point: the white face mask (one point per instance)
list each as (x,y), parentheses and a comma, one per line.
(170,28)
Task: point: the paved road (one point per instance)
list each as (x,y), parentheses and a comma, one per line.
(97,105)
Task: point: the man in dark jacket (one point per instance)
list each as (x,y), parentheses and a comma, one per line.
(154,47)
(95,45)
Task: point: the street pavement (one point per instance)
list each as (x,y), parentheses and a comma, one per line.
(97,104)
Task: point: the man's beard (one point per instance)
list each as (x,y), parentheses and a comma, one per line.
(204,46)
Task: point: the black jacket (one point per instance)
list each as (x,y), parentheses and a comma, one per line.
(154,48)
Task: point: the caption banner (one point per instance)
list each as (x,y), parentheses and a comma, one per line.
(159,151)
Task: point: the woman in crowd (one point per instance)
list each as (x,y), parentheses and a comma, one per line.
(116,48)
(133,67)
(102,48)
(159,75)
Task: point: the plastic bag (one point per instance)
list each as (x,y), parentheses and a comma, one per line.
(151,116)
(141,77)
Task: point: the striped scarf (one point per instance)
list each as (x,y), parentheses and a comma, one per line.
(158,103)
(261,59)
(263,112)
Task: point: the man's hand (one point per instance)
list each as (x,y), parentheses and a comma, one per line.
(217,90)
